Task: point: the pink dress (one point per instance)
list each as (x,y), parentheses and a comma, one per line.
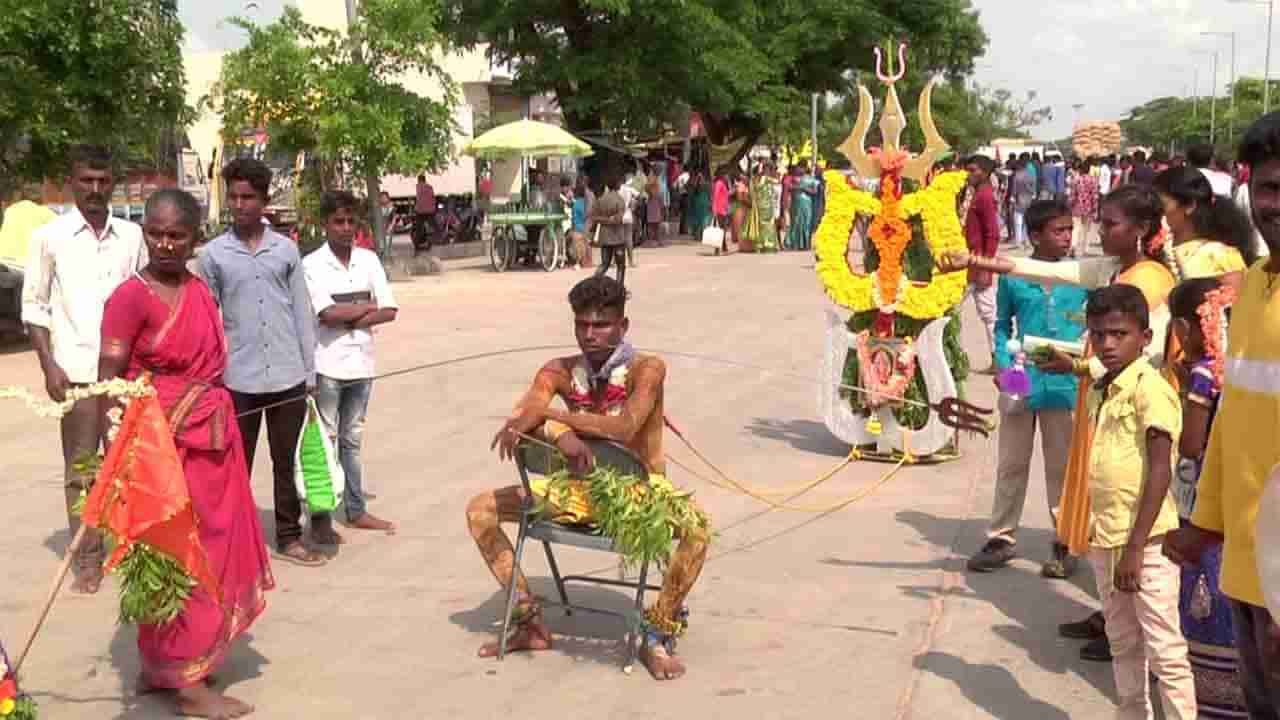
(184,349)
(720,198)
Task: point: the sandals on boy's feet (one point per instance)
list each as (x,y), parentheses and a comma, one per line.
(299,554)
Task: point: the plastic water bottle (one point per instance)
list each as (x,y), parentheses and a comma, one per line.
(1014,380)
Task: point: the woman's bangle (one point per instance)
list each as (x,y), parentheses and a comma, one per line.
(1080,367)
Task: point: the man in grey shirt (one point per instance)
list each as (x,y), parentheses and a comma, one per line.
(607,213)
(256,276)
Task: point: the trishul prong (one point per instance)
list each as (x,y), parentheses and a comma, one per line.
(902,65)
(917,168)
(855,146)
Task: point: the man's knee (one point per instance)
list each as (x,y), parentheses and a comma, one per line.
(482,512)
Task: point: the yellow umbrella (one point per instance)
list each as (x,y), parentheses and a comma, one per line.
(526,138)
(20,220)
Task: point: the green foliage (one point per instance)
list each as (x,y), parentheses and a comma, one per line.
(1175,122)
(153,586)
(103,71)
(317,90)
(643,520)
(746,65)
(24,708)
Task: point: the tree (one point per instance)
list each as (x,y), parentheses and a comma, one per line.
(623,66)
(1173,123)
(340,96)
(107,71)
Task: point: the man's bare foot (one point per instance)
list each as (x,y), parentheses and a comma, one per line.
(199,701)
(661,665)
(530,636)
(369,521)
(87,583)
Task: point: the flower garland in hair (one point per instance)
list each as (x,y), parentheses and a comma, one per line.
(1158,249)
(1213,325)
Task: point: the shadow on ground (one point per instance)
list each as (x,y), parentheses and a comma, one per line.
(806,435)
(1031,602)
(582,636)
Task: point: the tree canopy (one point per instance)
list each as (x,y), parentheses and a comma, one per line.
(623,66)
(341,96)
(107,71)
(315,90)
(1175,122)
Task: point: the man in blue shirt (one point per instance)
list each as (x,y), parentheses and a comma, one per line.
(1055,179)
(1028,307)
(256,275)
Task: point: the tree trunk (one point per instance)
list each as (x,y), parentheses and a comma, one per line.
(373,190)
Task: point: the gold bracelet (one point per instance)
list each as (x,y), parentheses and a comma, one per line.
(1080,367)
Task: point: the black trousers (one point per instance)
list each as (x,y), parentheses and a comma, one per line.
(616,254)
(284,423)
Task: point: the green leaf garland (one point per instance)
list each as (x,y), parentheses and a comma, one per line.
(643,520)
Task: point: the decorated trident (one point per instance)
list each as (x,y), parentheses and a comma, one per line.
(892,159)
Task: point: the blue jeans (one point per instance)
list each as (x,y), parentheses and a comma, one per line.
(343,405)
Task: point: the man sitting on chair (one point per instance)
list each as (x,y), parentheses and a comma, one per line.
(613,393)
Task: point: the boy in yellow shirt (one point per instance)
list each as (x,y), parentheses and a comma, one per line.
(1243,445)
(1136,417)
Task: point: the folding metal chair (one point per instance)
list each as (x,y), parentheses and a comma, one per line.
(541,461)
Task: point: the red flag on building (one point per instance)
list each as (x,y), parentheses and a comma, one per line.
(141,494)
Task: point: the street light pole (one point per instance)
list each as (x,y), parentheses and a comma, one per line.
(1213,104)
(1231,124)
(1266,70)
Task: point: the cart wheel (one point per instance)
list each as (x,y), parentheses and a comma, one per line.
(501,248)
(548,249)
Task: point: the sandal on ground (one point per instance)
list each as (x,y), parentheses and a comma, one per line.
(299,554)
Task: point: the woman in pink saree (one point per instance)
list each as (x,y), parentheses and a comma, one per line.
(163,321)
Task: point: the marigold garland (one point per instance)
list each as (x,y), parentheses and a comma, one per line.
(935,205)
(1213,324)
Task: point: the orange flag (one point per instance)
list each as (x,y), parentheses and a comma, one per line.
(141,494)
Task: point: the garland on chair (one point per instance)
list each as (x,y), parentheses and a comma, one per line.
(642,519)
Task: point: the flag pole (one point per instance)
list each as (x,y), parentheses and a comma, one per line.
(58,578)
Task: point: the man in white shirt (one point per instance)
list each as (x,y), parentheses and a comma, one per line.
(350,295)
(1104,177)
(73,265)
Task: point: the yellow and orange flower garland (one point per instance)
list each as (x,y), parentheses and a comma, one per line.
(888,290)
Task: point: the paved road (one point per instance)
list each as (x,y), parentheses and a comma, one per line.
(864,613)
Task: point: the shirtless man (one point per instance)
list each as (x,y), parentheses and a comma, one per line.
(613,393)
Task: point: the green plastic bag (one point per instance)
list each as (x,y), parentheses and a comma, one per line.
(317,472)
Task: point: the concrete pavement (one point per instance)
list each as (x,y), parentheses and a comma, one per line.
(864,613)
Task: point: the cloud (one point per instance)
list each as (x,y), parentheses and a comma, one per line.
(1113,55)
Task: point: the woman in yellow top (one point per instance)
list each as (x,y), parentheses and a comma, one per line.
(1137,255)
(1211,236)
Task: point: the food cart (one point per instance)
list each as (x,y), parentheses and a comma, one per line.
(529,230)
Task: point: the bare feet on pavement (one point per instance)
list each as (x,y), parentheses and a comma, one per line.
(529,636)
(661,665)
(201,702)
(369,521)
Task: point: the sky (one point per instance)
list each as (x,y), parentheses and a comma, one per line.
(1113,55)
(1107,56)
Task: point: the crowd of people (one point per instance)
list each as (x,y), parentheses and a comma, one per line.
(252,333)
(1158,432)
